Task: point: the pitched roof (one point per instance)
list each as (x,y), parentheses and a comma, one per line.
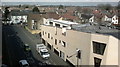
(19,13)
(85,16)
(69,15)
(52,15)
(35,16)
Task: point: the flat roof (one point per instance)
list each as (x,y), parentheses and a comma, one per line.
(97,29)
(63,22)
(103,28)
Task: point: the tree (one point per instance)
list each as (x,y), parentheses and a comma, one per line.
(6,13)
(61,6)
(35,9)
(26,6)
(104,6)
(118,6)
(108,7)
(100,6)
(20,6)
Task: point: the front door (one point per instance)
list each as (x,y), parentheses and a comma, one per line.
(62,54)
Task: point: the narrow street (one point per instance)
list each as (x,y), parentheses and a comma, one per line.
(15,37)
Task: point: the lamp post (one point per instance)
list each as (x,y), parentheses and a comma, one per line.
(78,56)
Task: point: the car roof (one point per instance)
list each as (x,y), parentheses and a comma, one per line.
(26,45)
(24,62)
(44,50)
(40,44)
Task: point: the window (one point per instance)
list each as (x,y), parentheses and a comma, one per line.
(62,54)
(45,33)
(55,41)
(51,37)
(64,33)
(63,43)
(98,48)
(91,20)
(48,35)
(97,62)
(59,41)
(113,18)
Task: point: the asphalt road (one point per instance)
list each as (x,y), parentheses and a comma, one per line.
(16,37)
(14,50)
(32,40)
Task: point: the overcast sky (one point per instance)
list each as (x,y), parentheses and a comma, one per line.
(59,0)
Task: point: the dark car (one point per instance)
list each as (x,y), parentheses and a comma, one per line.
(26,47)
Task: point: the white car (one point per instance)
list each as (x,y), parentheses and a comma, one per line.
(44,53)
(24,63)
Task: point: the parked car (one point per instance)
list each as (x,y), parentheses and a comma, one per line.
(44,53)
(26,47)
(42,50)
(24,63)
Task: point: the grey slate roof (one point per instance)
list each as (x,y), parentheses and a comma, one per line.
(20,13)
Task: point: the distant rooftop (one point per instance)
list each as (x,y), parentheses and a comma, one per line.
(19,12)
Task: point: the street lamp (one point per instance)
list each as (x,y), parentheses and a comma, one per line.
(78,56)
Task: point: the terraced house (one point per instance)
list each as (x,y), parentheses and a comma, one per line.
(97,45)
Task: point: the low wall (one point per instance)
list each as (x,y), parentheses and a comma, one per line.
(32,31)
